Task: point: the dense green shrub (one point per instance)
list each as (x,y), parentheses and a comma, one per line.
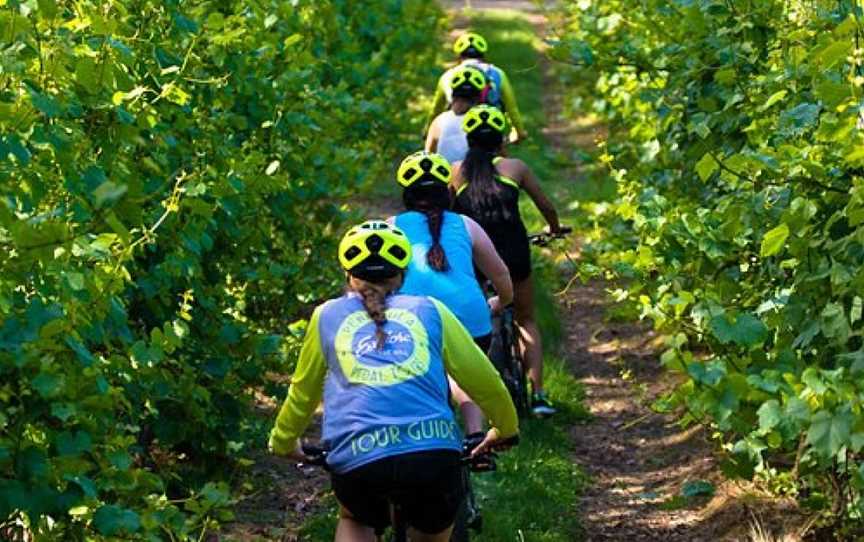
(737,145)
(171,175)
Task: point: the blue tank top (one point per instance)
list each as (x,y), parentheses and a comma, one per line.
(387,402)
(457,287)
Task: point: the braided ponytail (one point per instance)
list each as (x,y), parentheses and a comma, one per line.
(431,201)
(436,258)
(374,296)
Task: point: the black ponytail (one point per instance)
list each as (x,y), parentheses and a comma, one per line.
(478,170)
(431,200)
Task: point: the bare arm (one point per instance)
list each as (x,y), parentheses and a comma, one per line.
(455,177)
(531,185)
(489,262)
(439,103)
(432,137)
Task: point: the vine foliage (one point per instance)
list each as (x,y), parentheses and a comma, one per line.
(737,147)
(170,178)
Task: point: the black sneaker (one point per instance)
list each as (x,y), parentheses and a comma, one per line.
(540,406)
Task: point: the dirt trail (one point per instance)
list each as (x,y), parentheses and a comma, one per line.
(639,461)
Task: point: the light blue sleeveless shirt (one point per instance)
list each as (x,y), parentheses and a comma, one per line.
(457,287)
(387,402)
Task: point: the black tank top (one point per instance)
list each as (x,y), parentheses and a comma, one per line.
(500,219)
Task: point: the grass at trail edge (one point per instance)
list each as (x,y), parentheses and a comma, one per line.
(532,496)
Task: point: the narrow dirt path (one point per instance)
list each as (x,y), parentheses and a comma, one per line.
(640,462)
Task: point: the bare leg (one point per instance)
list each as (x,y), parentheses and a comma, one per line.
(417,536)
(532,343)
(350,530)
(471,413)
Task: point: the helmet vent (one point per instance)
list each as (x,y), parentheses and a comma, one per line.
(374,243)
(397,252)
(443,171)
(409,173)
(351,253)
(426,164)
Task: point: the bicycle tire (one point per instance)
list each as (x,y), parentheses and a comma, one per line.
(461,533)
(517,383)
(501,355)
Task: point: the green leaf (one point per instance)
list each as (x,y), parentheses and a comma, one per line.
(774,240)
(46,104)
(112,520)
(706,167)
(75,280)
(834,322)
(770,415)
(829,432)
(73,443)
(744,329)
(107,193)
(834,53)
(773,99)
(48,385)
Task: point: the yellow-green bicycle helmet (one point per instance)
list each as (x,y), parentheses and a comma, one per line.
(467,81)
(374,250)
(424,168)
(481,116)
(470,44)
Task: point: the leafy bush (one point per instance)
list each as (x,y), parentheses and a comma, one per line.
(171,177)
(737,145)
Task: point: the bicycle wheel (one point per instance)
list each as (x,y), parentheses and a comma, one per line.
(468,517)
(518,384)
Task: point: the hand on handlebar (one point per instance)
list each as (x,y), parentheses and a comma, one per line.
(295,454)
(493,441)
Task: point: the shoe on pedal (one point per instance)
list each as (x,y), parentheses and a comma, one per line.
(540,406)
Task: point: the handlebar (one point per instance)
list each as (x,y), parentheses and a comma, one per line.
(316,454)
(544,238)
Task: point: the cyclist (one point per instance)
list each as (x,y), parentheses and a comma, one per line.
(487,189)
(380,360)
(446,246)
(445,135)
(471,49)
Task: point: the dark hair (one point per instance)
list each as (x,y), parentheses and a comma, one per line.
(471,52)
(483,190)
(431,200)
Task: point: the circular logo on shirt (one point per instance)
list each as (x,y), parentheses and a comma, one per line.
(404,355)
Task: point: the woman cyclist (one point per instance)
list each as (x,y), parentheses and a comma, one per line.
(446,136)
(471,49)
(487,189)
(445,247)
(380,360)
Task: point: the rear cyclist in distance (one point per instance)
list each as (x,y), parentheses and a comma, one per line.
(445,135)
(446,246)
(487,188)
(380,360)
(471,49)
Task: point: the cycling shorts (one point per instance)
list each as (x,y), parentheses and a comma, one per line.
(484,342)
(426,485)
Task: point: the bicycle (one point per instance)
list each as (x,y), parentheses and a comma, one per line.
(505,351)
(482,462)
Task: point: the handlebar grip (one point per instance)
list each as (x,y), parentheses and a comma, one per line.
(316,455)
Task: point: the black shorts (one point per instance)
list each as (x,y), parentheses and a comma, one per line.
(484,342)
(426,485)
